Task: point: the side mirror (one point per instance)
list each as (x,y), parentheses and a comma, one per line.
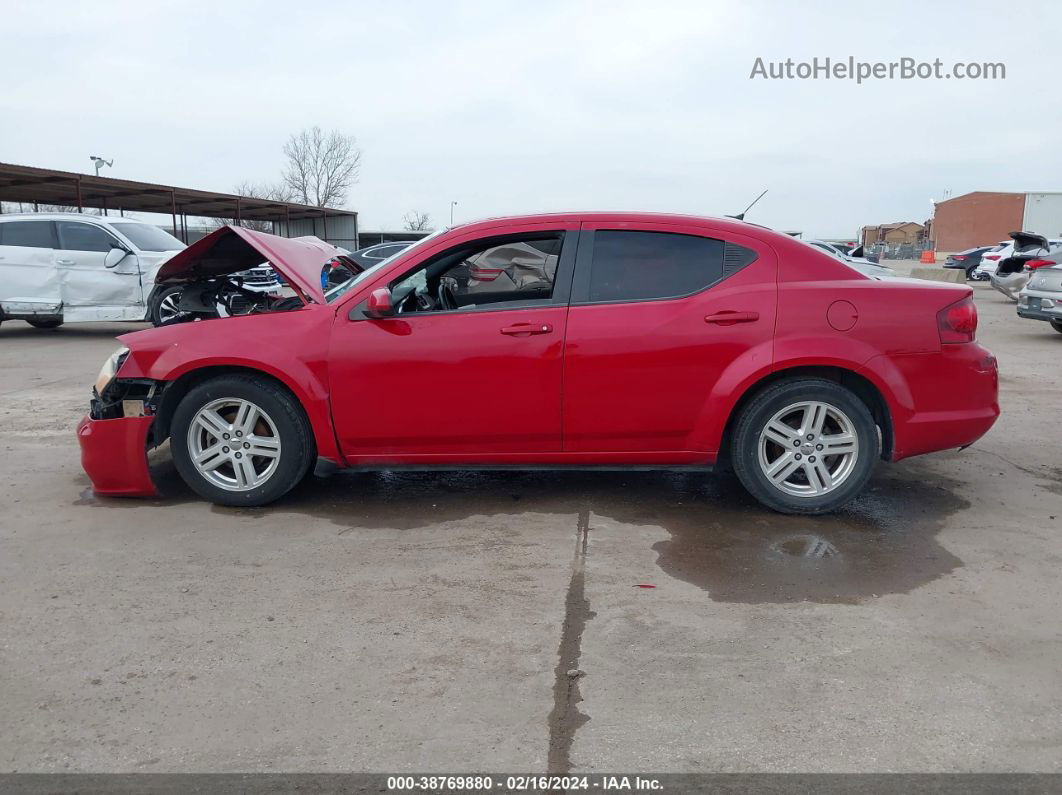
(856,252)
(114,256)
(379,303)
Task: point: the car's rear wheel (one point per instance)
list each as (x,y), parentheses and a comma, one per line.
(241,440)
(1057,325)
(51,323)
(805,446)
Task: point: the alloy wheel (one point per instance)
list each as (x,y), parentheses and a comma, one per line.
(168,308)
(234,444)
(808,449)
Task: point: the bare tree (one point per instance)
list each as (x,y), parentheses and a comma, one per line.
(416,221)
(277,191)
(321,167)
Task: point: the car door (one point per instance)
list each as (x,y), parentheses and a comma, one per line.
(659,314)
(475,383)
(90,290)
(29,282)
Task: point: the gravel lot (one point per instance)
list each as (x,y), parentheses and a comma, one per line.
(469,621)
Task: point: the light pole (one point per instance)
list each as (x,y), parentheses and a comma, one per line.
(452,205)
(100,163)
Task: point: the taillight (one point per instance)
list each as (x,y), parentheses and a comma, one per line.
(992,257)
(958,257)
(1033,264)
(958,322)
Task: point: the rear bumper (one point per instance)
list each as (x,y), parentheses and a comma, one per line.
(1040,304)
(939,401)
(1039,314)
(114,455)
(1011,284)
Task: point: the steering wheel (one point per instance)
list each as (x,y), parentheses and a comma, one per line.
(447,298)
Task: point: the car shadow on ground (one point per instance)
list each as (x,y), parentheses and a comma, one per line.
(18,329)
(720,539)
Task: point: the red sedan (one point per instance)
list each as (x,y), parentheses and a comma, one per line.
(619,340)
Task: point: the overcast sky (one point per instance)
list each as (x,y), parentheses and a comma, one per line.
(521,107)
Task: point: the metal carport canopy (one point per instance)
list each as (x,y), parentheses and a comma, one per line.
(29,185)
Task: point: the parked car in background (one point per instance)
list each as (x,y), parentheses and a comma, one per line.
(615,340)
(60,268)
(854,259)
(990,260)
(1041,298)
(1031,251)
(967,260)
(372,255)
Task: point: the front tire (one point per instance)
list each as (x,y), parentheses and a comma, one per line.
(53,323)
(164,307)
(805,446)
(241,440)
(1057,325)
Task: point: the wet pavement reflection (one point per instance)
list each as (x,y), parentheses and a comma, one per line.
(719,538)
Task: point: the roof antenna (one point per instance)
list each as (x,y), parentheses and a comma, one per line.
(741,215)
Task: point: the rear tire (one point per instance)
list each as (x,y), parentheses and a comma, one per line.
(782,441)
(241,440)
(45,323)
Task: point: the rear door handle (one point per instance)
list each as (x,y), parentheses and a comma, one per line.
(526,329)
(728,318)
(65,261)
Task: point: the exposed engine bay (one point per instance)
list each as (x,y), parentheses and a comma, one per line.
(225,296)
(206,280)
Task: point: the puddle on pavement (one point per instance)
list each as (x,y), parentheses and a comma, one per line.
(719,538)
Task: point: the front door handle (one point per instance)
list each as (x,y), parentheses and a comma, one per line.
(526,329)
(729,318)
(64,262)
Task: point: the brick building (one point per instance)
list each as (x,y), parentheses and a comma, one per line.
(982,218)
(893,234)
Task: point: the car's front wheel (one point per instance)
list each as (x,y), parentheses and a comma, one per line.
(1057,325)
(805,446)
(165,307)
(241,440)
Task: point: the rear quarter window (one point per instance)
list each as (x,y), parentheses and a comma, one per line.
(639,266)
(29,234)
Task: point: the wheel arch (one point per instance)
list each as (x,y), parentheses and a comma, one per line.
(177,388)
(865,389)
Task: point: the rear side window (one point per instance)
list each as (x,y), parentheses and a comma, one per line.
(30,234)
(637,266)
(76,236)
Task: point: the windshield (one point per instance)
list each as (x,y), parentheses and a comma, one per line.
(149,238)
(342,289)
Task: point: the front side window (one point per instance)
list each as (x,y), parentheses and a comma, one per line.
(516,271)
(76,236)
(637,266)
(149,238)
(29,234)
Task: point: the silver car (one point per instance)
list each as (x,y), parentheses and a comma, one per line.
(1041,298)
(1031,251)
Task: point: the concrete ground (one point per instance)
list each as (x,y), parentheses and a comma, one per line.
(501,622)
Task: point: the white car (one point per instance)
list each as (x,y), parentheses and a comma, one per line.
(854,259)
(990,260)
(60,268)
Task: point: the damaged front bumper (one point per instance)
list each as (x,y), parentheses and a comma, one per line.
(114,455)
(117,433)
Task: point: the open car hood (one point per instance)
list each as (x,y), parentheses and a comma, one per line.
(231,249)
